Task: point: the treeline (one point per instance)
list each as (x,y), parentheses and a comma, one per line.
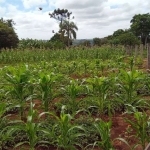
(138,33)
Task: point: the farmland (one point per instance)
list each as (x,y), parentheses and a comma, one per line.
(96,98)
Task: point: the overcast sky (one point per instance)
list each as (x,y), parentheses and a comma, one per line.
(94,18)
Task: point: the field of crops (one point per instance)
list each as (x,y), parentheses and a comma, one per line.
(74,99)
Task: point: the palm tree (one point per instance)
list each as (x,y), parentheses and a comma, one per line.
(68,28)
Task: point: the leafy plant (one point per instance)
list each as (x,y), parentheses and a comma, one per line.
(103,129)
(18,78)
(46,83)
(67,133)
(99,86)
(141,125)
(31,129)
(72,91)
(129,82)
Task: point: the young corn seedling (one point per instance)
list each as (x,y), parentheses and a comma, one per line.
(72,91)
(47,82)
(129,82)
(85,66)
(141,126)
(31,129)
(67,133)
(103,129)
(99,87)
(6,130)
(18,78)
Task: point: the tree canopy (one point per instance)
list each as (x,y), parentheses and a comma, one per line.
(69,29)
(8,37)
(140,26)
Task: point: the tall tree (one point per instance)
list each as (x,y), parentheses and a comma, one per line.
(68,28)
(8,22)
(140,25)
(63,16)
(8,37)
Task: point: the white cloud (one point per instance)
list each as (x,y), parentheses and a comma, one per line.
(32,3)
(2,10)
(2,1)
(97,18)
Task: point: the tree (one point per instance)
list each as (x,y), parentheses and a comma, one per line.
(63,16)
(97,41)
(57,38)
(128,38)
(8,22)
(8,37)
(140,26)
(68,28)
(118,32)
(114,41)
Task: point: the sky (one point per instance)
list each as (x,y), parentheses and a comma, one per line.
(94,18)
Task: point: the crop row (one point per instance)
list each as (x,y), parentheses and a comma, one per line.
(70,105)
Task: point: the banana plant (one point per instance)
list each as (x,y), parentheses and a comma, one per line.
(18,78)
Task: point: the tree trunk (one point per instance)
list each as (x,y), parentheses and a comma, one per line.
(148,57)
(127,50)
(141,51)
(136,51)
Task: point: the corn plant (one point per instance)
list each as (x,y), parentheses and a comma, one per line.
(31,129)
(5,129)
(103,129)
(86,66)
(129,83)
(72,91)
(46,83)
(67,133)
(18,78)
(99,86)
(141,125)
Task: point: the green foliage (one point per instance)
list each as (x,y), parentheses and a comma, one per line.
(40,44)
(140,25)
(118,32)
(46,82)
(60,39)
(67,133)
(8,37)
(86,43)
(68,29)
(114,41)
(99,87)
(97,41)
(141,125)
(129,82)
(128,39)
(18,78)
(103,129)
